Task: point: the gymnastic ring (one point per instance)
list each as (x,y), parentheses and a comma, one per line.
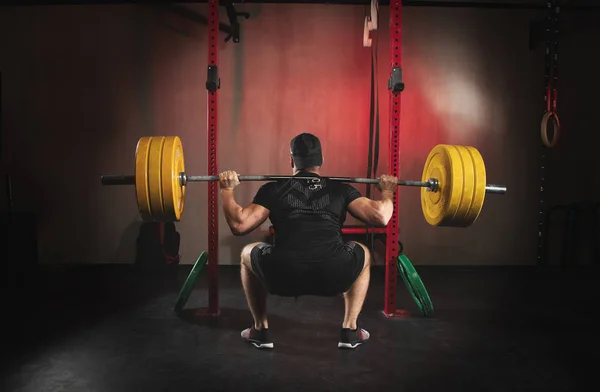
(550,116)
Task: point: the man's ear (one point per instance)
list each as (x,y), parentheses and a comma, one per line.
(292,162)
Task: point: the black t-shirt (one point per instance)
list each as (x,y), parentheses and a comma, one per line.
(307,215)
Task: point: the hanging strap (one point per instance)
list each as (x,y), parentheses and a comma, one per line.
(371,125)
(376,144)
(376,147)
(373,155)
(373,118)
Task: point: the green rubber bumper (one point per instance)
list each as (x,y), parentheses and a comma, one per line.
(415,285)
(188,286)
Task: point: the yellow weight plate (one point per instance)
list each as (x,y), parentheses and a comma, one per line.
(440,207)
(480,183)
(464,210)
(172,167)
(142,193)
(155,182)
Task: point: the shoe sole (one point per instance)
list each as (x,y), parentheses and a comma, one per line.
(262,345)
(349,345)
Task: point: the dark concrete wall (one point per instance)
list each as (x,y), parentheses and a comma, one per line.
(82,84)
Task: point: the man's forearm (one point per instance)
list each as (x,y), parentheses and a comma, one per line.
(386,205)
(231,209)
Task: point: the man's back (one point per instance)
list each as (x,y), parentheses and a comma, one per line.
(307,215)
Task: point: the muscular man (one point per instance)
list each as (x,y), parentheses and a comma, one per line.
(309,256)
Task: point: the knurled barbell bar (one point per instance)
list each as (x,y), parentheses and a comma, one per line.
(453,184)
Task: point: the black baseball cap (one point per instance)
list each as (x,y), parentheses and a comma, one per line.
(306,151)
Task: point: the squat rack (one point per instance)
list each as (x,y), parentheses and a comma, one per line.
(392,229)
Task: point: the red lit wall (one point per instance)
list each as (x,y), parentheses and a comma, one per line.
(82,84)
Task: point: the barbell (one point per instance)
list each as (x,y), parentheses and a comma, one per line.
(453,185)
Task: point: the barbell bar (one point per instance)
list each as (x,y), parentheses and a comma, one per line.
(431,184)
(453,186)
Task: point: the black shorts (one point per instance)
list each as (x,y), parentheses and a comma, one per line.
(326,278)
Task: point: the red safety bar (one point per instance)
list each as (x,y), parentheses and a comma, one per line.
(352,230)
(391,246)
(213,205)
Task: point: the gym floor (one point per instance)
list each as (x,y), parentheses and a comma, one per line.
(112,328)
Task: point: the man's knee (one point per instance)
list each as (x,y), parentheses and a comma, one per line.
(246,256)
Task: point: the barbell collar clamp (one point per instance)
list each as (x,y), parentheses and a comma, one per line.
(433,185)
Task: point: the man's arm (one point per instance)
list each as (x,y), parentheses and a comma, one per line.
(376,212)
(373,212)
(241,220)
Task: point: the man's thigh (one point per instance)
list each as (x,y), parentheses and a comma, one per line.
(259,256)
(341,272)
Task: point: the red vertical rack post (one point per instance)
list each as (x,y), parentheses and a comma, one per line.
(392,246)
(212,85)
